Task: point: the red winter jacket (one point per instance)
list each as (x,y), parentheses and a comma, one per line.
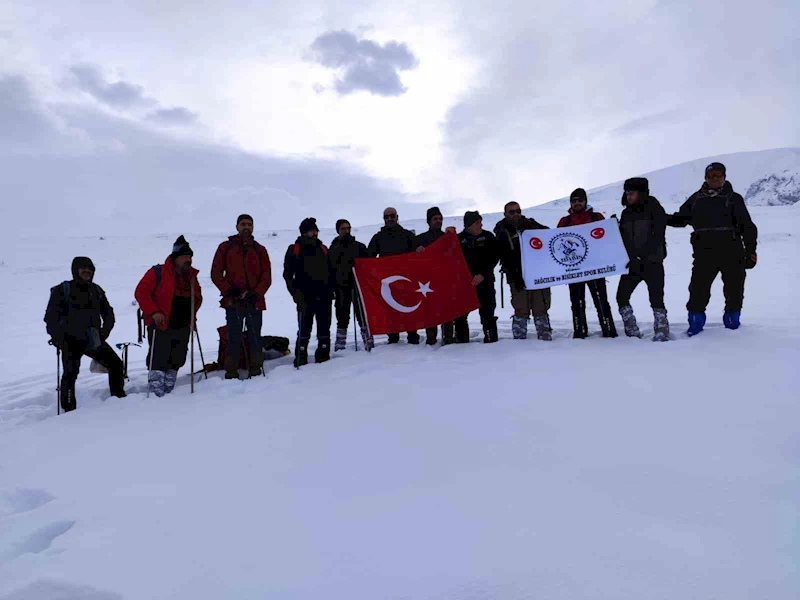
(241,267)
(153,299)
(585,216)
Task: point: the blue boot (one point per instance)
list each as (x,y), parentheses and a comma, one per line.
(731,320)
(696,322)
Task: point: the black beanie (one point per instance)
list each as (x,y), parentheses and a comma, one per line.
(309,224)
(242,217)
(81,262)
(181,248)
(470,217)
(578,194)
(717,166)
(341,222)
(432,212)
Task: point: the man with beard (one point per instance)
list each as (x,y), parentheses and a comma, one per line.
(310,280)
(422,241)
(242,272)
(345,249)
(391,240)
(79,320)
(480,252)
(724,241)
(580,213)
(525,302)
(165,296)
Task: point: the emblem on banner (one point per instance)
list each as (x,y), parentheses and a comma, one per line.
(598,233)
(568,249)
(536,243)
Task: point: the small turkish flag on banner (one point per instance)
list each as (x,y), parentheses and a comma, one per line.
(416,290)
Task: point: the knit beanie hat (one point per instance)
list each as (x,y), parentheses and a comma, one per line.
(578,194)
(432,212)
(309,224)
(181,248)
(470,217)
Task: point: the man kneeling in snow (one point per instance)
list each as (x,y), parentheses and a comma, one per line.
(165,296)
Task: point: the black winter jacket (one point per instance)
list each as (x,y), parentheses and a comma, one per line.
(69,317)
(308,270)
(343,254)
(390,241)
(481,253)
(717,218)
(508,246)
(643,227)
(427,238)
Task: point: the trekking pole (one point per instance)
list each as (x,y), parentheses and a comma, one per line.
(152,353)
(58,380)
(355,320)
(246,345)
(200,347)
(502,299)
(299,331)
(191,335)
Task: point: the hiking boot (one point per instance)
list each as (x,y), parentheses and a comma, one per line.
(448,335)
(68,401)
(543,330)
(629,321)
(462,331)
(519,328)
(341,340)
(301,352)
(430,336)
(696,323)
(254,371)
(369,341)
(660,325)
(170,378)
(731,320)
(394,338)
(231,369)
(490,332)
(323,353)
(155,382)
(413,338)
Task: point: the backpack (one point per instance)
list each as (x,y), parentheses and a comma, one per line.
(139,314)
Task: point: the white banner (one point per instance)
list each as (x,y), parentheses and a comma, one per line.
(572,254)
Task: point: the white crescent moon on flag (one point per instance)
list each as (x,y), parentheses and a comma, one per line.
(386,294)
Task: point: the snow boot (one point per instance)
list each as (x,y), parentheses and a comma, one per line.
(579,326)
(231,369)
(519,328)
(170,378)
(448,333)
(462,332)
(156,381)
(323,353)
(731,320)
(696,323)
(369,341)
(394,338)
(490,331)
(68,401)
(341,340)
(430,336)
(629,321)
(660,325)
(301,352)
(413,338)
(543,330)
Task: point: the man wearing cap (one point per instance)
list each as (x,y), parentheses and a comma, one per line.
(79,320)
(392,239)
(724,241)
(311,280)
(581,213)
(642,225)
(165,296)
(242,272)
(345,249)
(525,302)
(481,253)
(422,241)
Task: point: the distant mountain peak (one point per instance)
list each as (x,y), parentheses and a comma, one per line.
(776,189)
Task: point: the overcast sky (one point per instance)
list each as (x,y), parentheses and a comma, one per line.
(144,111)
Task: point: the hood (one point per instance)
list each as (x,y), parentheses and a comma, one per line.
(79,262)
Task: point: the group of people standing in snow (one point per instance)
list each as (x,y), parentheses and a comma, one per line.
(79,317)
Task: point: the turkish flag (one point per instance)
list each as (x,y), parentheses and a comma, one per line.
(416,290)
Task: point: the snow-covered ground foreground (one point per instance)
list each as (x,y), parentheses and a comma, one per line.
(580,469)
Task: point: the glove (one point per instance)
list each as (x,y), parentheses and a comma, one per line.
(57,340)
(235,292)
(750,260)
(299,300)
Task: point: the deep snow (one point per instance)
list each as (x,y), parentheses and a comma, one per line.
(597,469)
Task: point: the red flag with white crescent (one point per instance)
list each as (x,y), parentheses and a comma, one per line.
(417,290)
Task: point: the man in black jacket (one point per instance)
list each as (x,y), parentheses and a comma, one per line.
(422,241)
(525,302)
(310,280)
(481,253)
(724,241)
(79,320)
(345,249)
(642,225)
(391,240)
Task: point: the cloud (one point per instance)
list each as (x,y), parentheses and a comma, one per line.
(647,122)
(366,65)
(172,116)
(120,95)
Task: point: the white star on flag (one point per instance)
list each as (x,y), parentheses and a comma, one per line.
(424,288)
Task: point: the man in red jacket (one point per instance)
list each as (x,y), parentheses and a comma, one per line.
(581,213)
(165,296)
(242,272)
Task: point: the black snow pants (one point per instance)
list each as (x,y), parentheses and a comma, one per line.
(577,296)
(71,353)
(652,273)
(727,259)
